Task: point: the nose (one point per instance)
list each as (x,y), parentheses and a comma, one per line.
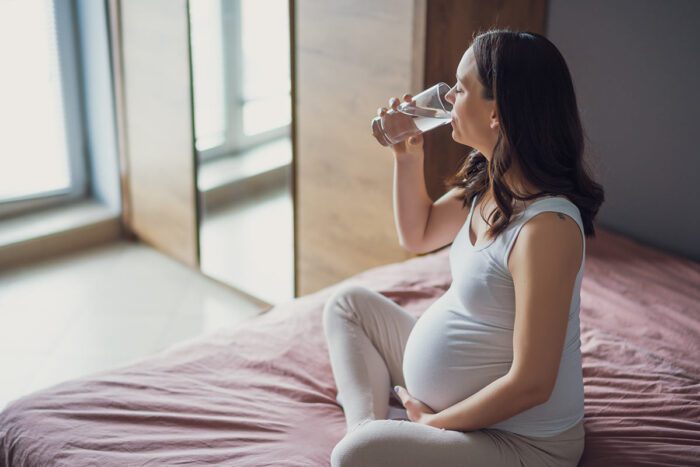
(449,97)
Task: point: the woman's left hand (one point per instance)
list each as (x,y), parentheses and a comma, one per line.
(416,410)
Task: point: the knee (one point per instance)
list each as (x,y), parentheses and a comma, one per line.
(360,447)
(340,302)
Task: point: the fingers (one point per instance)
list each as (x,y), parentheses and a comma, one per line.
(416,140)
(402,394)
(393,104)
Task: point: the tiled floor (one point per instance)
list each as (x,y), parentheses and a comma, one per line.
(100,308)
(250,245)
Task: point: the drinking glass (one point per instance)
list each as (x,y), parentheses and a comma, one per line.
(427,110)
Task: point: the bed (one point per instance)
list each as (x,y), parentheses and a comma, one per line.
(263,394)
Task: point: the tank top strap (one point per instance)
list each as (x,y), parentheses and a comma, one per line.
(551,203)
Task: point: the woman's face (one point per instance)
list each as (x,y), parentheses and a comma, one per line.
(474,118)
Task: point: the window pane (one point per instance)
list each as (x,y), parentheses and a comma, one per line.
(207,73)
(265,114)
(33,151)
(266,76)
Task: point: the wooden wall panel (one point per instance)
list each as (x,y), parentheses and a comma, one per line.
(157,120)
(351,56)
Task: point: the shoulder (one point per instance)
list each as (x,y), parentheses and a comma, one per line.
(548,240)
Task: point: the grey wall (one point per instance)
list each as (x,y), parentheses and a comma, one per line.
(636,70)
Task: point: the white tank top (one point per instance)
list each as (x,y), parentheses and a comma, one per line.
(464,340)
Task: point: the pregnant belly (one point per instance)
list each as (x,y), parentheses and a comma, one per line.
(449,357)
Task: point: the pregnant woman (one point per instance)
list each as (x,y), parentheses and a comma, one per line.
(490,374)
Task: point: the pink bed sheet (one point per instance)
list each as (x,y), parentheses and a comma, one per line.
(263,394)
(640,342)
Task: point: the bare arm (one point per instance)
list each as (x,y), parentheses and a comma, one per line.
(411,201)
(422,225)
(498,401)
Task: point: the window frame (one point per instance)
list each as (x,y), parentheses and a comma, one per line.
(235,140)
(68,41)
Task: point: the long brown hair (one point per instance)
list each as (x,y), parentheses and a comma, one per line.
(540,128)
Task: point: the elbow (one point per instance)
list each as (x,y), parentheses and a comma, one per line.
(535,394)
(542,395)
(532,397)
(411,247)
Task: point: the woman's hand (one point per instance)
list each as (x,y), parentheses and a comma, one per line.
(395,121)
(416,410)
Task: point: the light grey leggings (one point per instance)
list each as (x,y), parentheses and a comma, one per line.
(366,334)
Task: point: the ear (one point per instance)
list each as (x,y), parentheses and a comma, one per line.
(494,123)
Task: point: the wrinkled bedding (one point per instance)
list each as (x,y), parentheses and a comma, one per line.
(263,393)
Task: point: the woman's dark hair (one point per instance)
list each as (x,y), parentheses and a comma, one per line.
(539,127)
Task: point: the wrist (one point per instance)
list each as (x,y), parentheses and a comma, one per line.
(408,157)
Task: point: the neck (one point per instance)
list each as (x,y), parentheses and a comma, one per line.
(517,184)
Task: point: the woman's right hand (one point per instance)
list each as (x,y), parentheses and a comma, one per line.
(391,117)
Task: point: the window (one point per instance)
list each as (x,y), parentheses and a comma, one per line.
(206,31)
(42,157)
(241,74)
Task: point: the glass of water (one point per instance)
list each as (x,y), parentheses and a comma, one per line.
(427,110)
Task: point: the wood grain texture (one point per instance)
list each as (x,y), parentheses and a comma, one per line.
(351,56)
(158,126)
